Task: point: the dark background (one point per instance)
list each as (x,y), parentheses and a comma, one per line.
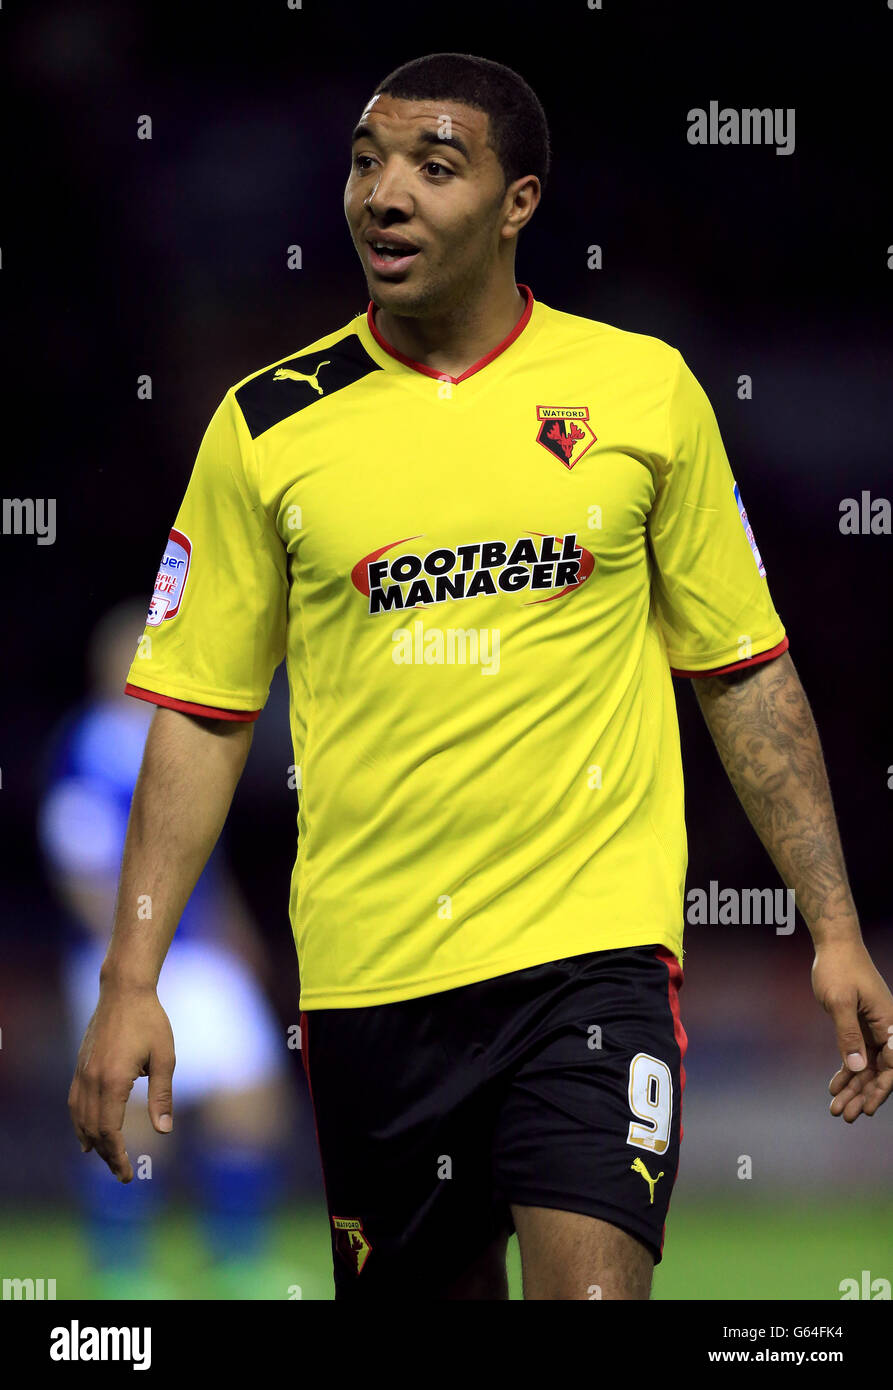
(123,256)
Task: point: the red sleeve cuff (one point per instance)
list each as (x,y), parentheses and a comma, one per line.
(187,707)
(737,665)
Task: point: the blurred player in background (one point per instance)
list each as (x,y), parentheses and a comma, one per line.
(231,1054)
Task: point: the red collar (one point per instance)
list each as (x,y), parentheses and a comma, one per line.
(475,367)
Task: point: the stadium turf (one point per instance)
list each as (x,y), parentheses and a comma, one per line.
(751,1250)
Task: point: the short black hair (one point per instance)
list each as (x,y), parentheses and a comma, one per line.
(519,132)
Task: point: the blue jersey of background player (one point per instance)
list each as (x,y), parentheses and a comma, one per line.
(91,772)
(231,1051)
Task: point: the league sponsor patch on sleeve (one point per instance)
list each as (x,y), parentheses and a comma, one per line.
(748,530)
(171,579)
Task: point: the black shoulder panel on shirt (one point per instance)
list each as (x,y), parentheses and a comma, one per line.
(302,381)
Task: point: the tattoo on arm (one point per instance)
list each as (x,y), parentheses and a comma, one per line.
(765,734)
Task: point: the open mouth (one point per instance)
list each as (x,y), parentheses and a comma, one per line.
(392,253)
(386,256)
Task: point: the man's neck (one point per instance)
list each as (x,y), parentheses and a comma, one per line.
(452,342)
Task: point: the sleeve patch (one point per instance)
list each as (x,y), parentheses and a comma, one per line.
(170,581)
(748,530)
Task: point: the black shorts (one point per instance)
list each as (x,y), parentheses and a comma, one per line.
(557,1086)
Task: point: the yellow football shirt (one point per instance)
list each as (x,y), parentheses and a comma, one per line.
(481,587)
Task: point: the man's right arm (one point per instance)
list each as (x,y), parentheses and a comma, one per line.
(190,770)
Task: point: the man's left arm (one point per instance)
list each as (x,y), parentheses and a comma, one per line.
(766,737)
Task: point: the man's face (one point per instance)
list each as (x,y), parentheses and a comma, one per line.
(436,200)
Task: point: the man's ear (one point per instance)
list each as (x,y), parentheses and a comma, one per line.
(521,201)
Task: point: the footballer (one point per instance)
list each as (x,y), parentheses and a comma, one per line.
(484,535)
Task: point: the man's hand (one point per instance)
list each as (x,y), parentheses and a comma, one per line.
(849,988)
(128,1036)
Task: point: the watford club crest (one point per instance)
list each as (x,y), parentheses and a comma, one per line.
(564,430)
(351,1246)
